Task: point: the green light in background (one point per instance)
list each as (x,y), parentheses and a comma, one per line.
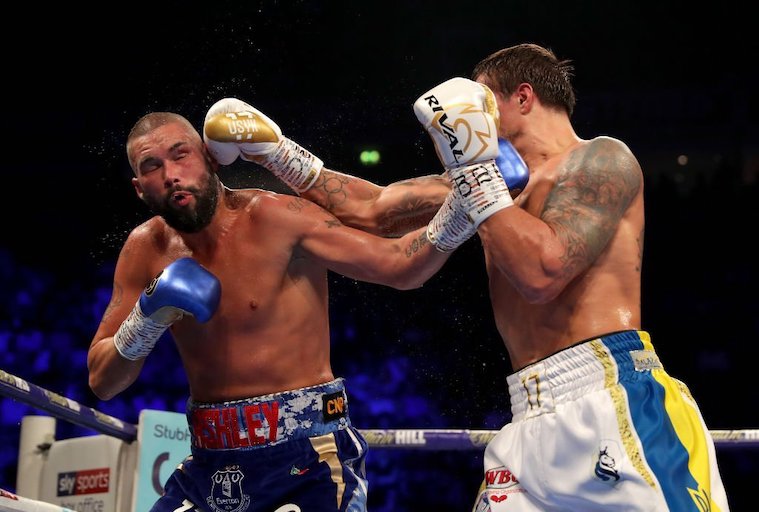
(369,157)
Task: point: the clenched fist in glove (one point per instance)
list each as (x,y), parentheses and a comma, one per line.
(184,287)
(461,117)
(233,129)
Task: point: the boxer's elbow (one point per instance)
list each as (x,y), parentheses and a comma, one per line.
(100,388)
(109,377)
(107,388)
(410,283)
(538,295)
(402,278)
(414,278)
(540,287)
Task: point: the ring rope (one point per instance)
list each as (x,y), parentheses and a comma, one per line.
(425,439)
(65,408)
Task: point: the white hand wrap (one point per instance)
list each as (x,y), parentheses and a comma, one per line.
(481,190)
(137,335)
(450,227)
(294,165)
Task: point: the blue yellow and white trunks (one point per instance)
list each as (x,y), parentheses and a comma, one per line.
(601,426)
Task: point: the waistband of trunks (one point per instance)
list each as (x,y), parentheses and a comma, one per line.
(267,420)
(580,369)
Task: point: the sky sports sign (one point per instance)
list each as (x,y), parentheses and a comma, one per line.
(87,481)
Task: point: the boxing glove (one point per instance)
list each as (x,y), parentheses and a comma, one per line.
(183,287)
(512,167)
(461,117)
(233,128)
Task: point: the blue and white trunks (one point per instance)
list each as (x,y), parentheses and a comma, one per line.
(293,451)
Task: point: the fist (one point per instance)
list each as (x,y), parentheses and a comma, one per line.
(184,286)
(233,128)
(461,116)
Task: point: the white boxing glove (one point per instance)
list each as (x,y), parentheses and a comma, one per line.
(461,117)
(233,129)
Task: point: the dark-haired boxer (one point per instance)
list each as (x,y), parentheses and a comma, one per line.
(598,424)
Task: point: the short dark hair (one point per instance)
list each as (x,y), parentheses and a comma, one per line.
(533,64)
(150,122)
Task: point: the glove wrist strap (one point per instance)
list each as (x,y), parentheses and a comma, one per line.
(137,335)
(481,190)
(294,165)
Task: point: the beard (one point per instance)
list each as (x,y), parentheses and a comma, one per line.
(185,219)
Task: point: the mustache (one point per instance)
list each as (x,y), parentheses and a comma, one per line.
(180,188)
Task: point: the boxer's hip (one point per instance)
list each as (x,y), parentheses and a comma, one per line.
(269,420)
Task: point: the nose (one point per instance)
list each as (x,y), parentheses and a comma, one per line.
(172,173)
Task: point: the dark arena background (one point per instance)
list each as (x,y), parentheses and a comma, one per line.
(676,82)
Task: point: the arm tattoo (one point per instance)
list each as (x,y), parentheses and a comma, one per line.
(332,187)
(592,192)
(404,218)
(299,205)
(416,245)
(296,205)
(413,211)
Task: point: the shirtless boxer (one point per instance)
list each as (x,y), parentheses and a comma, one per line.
(240,279)
(597,423)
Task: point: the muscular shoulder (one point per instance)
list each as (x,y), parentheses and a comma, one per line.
(603,168)
(609,157)
(149,232)
(147,240)
(599,177)
(288,212)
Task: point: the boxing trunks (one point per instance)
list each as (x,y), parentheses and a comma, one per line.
(294,451)
(601,426)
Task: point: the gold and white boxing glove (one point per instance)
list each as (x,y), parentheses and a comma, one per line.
(461,117)
(233,129)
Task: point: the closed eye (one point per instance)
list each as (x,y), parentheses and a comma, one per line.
(149,164)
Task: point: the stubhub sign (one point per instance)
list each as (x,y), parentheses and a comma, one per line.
(164,442)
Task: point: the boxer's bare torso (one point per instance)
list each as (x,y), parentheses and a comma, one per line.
(271,254)
(590,194)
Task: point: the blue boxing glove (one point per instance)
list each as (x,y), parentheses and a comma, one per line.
(183,287)
(512,167)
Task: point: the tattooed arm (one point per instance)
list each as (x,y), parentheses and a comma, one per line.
(389,211)
(540,249)
(402,263)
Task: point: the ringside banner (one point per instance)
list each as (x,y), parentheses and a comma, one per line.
(164,442)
